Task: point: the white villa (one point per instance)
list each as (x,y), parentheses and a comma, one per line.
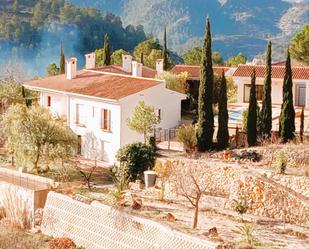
(242,79)
(96,102)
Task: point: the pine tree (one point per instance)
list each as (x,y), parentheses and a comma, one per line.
(252,113)
(165,52)
(223,116)
(62,60)
(205,128)
(107,51)
(287,116)
(266,112)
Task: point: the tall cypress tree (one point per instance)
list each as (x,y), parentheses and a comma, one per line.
(107,51)
(142,58)
(165,52)
(287,116)
(252,114)
(266,112)
(223,116)
(62,60)
(205,128)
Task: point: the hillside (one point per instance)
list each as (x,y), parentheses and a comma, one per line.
(31,32)
(238,25)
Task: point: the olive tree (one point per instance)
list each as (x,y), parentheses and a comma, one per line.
(33,135)
(144,119)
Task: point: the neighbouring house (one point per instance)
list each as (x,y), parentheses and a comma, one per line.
(96,102)
(242,79)
(193,81)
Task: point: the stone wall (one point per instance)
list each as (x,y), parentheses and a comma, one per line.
(284,198)
(98,226)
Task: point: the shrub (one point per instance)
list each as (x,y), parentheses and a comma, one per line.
(120,177)
(137,157)
(247,233)
(186,135)
(163,170)
(62,243)
(240,205)
(281,163)
(152,143)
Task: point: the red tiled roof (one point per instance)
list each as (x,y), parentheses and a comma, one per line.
(301,73)
(90,83)
(194,70)
(147,72)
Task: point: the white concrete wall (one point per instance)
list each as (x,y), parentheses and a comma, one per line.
(169,102)
(97,143)
(58,103)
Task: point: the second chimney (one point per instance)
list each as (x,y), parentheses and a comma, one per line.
(71,68)
(137,69)
(127,63)
(90,60)
(160,66)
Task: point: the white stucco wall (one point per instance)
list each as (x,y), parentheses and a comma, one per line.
(58,103)
(169,102)
(276,92)
(97,143)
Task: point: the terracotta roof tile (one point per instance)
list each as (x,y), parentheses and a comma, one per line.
(89,83)
(194,70)
(301,73)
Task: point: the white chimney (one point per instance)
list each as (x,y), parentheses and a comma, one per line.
(71,68)
(159,66)
(137,69)
(90,60)
(127,63)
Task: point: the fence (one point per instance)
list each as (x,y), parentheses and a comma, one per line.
(97,226)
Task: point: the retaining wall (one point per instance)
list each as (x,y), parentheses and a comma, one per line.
(97,226)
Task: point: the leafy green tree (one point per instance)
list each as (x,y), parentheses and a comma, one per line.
(266,112)
(52,70)
(205,128)
(15,6)
(287,116)
(33,135)
(151,59)
(116,58)
(252,114)
(62,61)
(223,116)
(234,61)
(193,56)
(175,82)
(217,59)
(143,120)
(299,47)
(136,158)
(107,51)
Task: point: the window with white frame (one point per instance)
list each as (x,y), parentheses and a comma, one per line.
(105,120)
(81,115)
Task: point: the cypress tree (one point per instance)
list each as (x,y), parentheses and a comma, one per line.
(266,112)
(287,116)
(165,52)
(223,116)
(205,128)
(107,51)
(62,61)
(142,58)
(252,113)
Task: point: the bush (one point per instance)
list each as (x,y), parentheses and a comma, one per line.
(62,243)
(152,143)
(186,135)
(137,157)
(281,163)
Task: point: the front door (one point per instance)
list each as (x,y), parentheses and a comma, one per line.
(301,95)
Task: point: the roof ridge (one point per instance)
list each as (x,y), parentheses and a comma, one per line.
(122,75)
(273,66)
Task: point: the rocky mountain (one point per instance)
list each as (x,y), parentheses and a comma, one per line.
(237,25)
